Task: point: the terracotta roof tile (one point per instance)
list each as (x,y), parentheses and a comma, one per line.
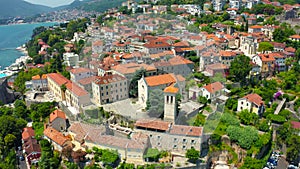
(82,130)
(227,53)
(152,124)
(186,130)
(171,89)
(57,114)
(254,98)
(295,36)
(214,87)
(58,78)
(179,60)
(87,80)
(106,79)
(75,89)
(56,136)
(165,79)
(80,70)
(256,27)
(130,68)
(217,66)
(27,133)
(266,57)
(290,49)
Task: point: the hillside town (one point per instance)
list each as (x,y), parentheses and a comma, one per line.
(159,84)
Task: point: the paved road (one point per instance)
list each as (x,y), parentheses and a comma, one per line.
(21,164)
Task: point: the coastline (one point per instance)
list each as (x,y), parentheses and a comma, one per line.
(18,63)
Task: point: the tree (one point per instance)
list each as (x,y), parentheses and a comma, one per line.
(200,120)
(265,46)
(192,154)
(155,103)
(218,77)
(240,68)
(297,54)
(133,86)
(202,100)
(248,118)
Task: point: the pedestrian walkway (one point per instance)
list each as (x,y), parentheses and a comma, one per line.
(279,107)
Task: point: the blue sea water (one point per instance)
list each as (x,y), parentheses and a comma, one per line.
(13,36)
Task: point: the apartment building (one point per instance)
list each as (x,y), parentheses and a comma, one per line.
(109,88)
(74,95)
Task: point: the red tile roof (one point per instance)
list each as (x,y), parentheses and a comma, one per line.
(186,130)
(254,98)
(295,124)
(157,44)
(165,79)
(153,124)
(87,80)
(130,68)
(57,114)
(80,70)
(75,89)
(171,89)
(217,66)
(266,58)
(214,87)
(72,87)
(295,36)
(56,136)
(256,27)
(106,79)
(179,60)
(227,53)
(27,133)
(58,78)
(290,49)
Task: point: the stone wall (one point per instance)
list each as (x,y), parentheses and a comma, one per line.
(6,95)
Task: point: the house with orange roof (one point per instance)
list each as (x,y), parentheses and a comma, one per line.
(156,46)
(169,136)
(39,82)
(177,65)
(110,88)
(255,29)
(266,63)
(251,102)
(207,58)
(279,61)
(212,91)
(295,38)
(77,74)
(58,120)
(57,139)
(74,95)
(128,69)
(226,57)
(146,84)
(30,146)
(213,69)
